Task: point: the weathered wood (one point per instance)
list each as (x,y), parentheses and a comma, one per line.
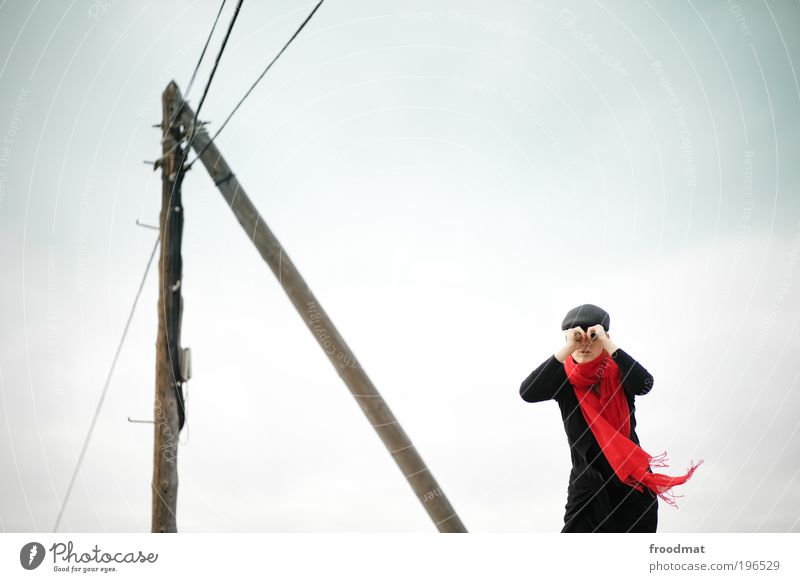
(340,355)
(167,406)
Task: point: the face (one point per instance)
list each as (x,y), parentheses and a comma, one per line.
(588,351)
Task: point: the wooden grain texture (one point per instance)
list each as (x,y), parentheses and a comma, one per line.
(168,406)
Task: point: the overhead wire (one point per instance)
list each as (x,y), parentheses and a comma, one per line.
(202,54)
(197,67)
(105,389)
(253,86)
(216,65)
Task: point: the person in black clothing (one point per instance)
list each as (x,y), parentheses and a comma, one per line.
(597,500)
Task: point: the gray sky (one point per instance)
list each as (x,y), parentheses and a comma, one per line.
(450,178)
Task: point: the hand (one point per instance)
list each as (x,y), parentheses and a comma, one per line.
(597,333)
(575,337)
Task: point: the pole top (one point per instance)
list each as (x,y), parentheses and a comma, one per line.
(172,91)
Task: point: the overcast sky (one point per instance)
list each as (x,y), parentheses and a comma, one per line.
(450,177)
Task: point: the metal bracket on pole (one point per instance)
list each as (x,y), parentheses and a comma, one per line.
(146,225)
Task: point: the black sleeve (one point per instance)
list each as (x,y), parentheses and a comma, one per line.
(635,379)
(544,382)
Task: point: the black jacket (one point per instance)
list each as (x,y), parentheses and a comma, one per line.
(549,381)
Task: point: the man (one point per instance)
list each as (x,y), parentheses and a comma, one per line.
(611,486)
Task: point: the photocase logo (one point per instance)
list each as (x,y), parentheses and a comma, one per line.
(31,555)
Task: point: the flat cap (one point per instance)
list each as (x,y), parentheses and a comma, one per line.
(585,316)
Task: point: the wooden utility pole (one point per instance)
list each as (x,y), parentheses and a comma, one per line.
(168,413)
(420,478)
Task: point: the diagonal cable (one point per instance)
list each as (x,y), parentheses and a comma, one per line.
(105,389)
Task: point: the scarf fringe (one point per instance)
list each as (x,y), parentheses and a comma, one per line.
(669,497)
(659,461)
(665,491)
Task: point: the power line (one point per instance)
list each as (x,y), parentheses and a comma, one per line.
(105,389)
(197,66)
(205,90)
(261,76)
(202,54)
(208,83)
(216,62)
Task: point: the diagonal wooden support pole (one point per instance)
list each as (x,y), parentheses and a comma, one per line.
(319,324)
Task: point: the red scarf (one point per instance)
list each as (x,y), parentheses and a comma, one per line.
(608,415)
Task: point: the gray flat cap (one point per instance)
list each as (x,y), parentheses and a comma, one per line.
(586,316)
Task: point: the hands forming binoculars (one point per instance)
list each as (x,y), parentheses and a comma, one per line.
(578,336)
(583,344)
